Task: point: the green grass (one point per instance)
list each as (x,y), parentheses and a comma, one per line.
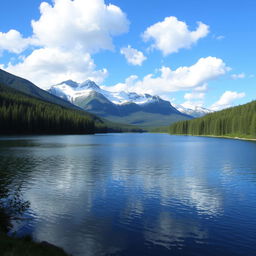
(10,246)
(227,136)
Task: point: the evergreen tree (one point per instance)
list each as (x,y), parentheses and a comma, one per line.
(237,121)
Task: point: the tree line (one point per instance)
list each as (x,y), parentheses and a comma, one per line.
(237,121)
(20,113)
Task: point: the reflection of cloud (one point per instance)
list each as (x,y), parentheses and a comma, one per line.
(186,182)
(188,190)
(171,231)
(95,195)
(207,201)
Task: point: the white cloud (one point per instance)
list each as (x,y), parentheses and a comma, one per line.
(238,76)
(183,78)
(79,24)
(194,96)
(193,100)
(13,41)
(128,85)
(133,56)
(171,35)
(48,66)
(67,33)
(192,104)
(202,88)
(226,100)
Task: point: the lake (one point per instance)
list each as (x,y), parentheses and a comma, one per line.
(136,194)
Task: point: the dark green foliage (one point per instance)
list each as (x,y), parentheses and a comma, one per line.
(28,88)
(236,122)
(110,127)
(22,114)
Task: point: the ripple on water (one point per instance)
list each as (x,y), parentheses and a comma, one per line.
(136,194)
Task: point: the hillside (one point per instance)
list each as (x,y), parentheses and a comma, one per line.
(23,114)
(20,113)
(31,89)
(238,121)
(131,108)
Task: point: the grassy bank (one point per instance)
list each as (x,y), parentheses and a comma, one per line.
(10,246)
(229,136)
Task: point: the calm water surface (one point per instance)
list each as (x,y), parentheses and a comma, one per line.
(136,194)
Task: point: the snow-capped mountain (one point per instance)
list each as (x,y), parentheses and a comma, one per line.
(124,107)
(70,90)
(194,111)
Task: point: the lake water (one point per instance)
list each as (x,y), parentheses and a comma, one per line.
(136,194)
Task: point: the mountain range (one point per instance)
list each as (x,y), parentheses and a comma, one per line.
(144,110)
(25,108)
(122,107)
(195,111)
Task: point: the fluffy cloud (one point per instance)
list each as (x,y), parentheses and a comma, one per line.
(79,24)
(226,100)
(238,76)
(192,104)
(194,96)
(133,56)
(193,99)
(183,78)
(13,41)
(202,88)
(66,34)
(171,35)
(48,66)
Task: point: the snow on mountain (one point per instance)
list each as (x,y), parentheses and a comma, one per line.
(70,90)
(194,111)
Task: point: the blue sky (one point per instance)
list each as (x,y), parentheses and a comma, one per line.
(153,46)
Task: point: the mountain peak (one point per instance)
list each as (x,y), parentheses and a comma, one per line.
(191,110)
(70,83)
(88,84)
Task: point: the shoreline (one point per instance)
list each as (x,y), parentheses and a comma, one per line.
(216,136)
(27,246)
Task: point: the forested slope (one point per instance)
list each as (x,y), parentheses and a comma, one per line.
(24,114)
(238,121)
(24,86)
(20,113)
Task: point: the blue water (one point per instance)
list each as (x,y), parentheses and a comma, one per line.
(136,194)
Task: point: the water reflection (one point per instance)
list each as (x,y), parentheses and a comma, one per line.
(124,194)
(171,231)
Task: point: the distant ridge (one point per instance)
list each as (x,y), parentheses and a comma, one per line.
(144,110)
